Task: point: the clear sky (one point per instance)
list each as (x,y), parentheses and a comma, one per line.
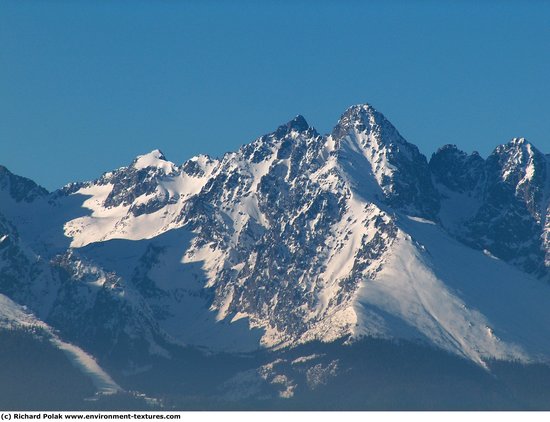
(85,86)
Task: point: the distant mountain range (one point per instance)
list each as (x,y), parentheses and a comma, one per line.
(330,244)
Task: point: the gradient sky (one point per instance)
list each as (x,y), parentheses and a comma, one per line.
(85,86)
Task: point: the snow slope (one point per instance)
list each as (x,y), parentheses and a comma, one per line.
(431,287)
(14,316)
(171,185)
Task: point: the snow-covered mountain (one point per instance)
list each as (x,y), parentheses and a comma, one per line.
(296,237)
(499,204)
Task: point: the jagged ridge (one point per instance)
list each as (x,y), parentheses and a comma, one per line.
(295,237)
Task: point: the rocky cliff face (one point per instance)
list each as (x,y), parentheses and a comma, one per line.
(507,201)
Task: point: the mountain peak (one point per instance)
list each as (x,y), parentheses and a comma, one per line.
(452,152)
(518,154)
(155,159)
(154,154)
(360,112)
(20,188)
(455,169)
(450,148)
(298,124)
(517,144)
(364,118)
(357,108)
(518,141)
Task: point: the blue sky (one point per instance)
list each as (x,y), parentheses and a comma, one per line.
(85,86)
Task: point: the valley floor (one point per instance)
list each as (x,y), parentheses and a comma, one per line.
(367,375)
